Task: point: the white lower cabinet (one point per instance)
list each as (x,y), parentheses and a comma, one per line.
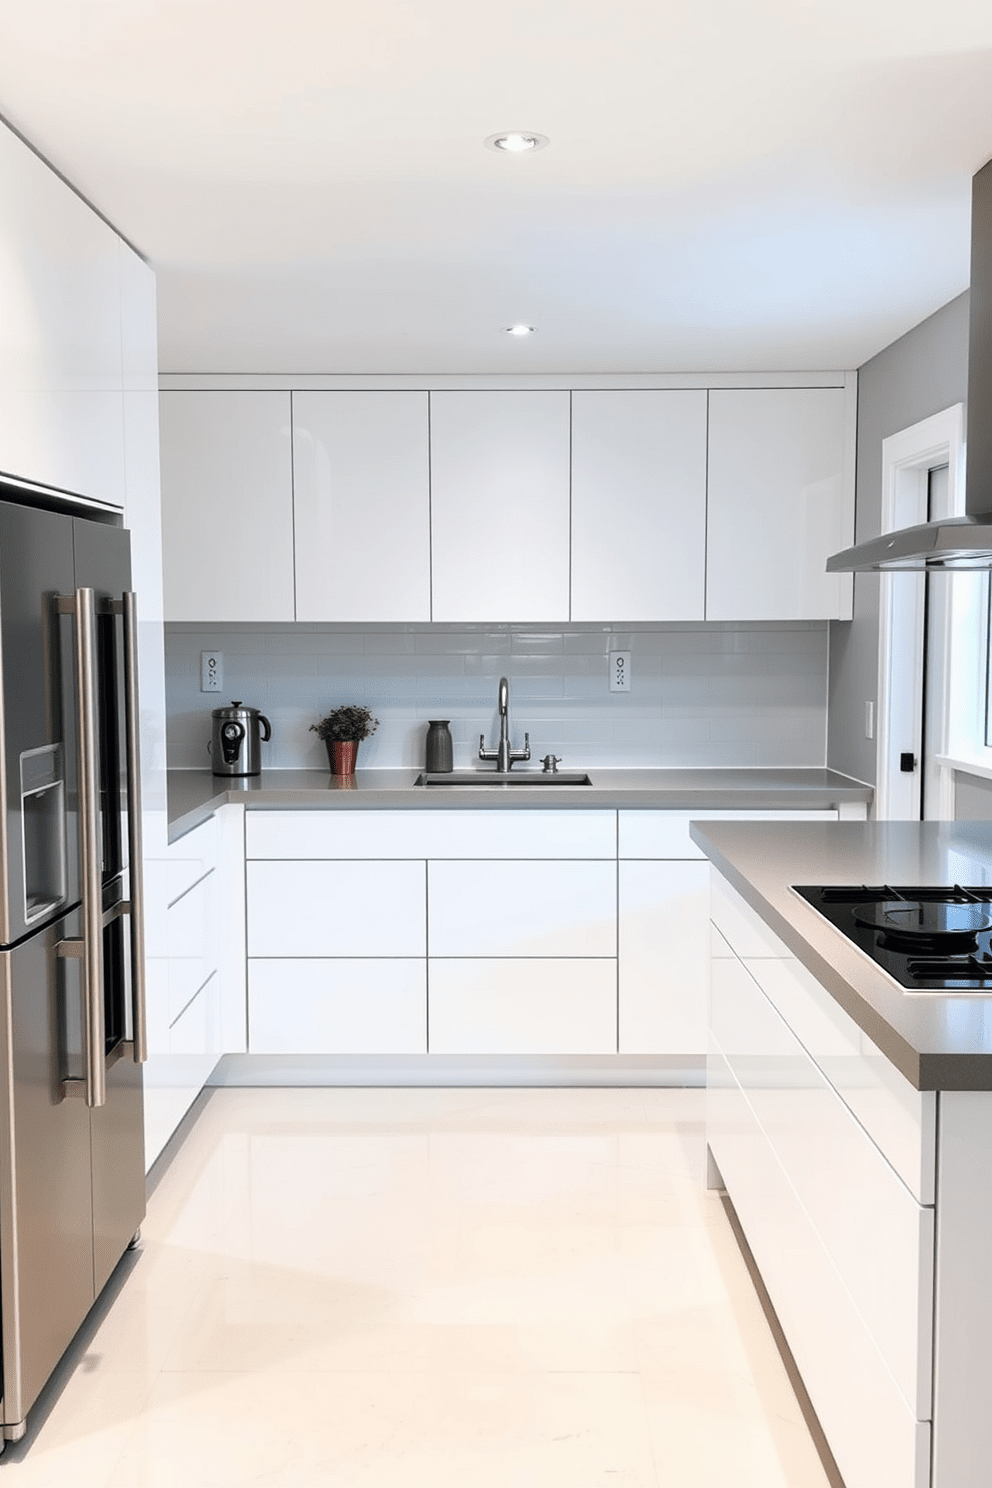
(502,931)
(842,1241)
(347,1005)
(186,954)
(370,908)
(509,1005)
(664,966)
(664,913)
(540,908)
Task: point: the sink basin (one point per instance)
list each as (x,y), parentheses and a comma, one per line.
(473,779)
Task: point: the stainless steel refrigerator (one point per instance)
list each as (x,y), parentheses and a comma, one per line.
(72,1036)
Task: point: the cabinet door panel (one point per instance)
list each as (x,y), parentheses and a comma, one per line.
(522,909)
(522,1007)
(638,505)
(227,506)
(780,501)
(500,505)
(432,834)
(874,1436)
(361,490)
(61,403)
(192,948)
(338,1007)
(877,1236)
(337,909)
(664,957)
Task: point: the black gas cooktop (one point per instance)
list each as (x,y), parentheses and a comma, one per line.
(929,939)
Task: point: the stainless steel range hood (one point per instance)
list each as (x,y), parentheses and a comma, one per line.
(954,542)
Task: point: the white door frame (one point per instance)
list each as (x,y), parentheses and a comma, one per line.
(907,459)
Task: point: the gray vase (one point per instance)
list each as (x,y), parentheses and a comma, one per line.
(439,751)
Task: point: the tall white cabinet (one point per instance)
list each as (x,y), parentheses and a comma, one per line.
(639,504)
(227,472)
(500,505)
(61,410)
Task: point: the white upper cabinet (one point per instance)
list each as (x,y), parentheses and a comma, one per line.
(638,505)
(781,500)
(500,505)
(227,505)
(61,411)
(361,479)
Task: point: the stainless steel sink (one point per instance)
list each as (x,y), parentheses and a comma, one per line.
(474,779)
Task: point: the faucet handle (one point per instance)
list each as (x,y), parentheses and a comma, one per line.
(551,763)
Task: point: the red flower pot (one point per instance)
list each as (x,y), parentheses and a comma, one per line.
(341,753)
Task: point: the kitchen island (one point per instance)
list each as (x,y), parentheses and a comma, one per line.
(850,1122)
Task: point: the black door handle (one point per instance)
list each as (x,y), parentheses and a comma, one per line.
(907,763)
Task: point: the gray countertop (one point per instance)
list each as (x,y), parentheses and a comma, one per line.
(194,794)
(939,1040)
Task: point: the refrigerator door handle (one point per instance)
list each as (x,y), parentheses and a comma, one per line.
(136,906)
(83,605)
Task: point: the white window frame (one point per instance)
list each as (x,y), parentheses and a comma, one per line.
(907,459)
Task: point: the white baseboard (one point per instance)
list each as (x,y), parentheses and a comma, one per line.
(631,1070)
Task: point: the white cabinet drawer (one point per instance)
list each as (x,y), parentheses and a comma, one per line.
(664,966)
(522,1007)
(337,1007)
(192,947)
(522,909)
(337,909)
(741,926)
(877,1441)
(431,834)
(900,1120)
(190,858)
(876,1234)
(194,1034)
(665,834)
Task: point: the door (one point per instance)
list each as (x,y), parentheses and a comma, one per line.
(39,742)
(499,506)
(46,1232)
(102,563)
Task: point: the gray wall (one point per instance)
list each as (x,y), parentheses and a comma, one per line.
(923,372)
(972,798)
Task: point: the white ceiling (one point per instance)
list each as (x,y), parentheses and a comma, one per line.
(730,184)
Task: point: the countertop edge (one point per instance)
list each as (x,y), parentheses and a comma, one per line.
(270,795)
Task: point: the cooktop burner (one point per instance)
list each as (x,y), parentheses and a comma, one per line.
(929,939)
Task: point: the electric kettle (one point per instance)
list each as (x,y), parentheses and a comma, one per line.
(236,740)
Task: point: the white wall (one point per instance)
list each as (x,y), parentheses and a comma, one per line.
(703,695)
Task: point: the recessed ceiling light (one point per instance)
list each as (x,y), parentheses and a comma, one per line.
(516,141)
(519,330)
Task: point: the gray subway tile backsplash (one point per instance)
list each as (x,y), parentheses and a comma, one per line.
(702,695)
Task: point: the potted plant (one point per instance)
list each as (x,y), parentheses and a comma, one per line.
(342,730)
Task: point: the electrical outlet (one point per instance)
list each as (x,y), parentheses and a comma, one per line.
(211,671)
(619,671)
(869,720)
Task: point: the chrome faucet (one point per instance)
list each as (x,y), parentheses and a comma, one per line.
(504,756)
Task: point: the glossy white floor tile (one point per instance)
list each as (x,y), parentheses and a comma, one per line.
(454,1288)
